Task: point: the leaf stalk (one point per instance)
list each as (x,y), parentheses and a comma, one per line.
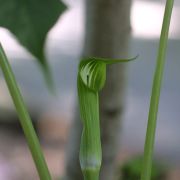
(155,96)
(24,118)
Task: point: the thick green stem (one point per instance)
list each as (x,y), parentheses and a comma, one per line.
(24,118)
(90,149)
(91,175)
(151,128)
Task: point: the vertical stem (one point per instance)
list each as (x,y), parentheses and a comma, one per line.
(90,149)
(151,128)
(24,118)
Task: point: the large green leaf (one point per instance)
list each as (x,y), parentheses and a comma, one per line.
(30,21)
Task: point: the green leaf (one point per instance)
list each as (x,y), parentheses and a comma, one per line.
(91,79)
(30,21)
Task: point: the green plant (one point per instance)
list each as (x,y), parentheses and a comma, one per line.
(156,89)
(24,118)
(91,79)
(30,22)
(131,170)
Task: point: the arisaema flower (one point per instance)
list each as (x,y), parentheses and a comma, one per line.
(91,79)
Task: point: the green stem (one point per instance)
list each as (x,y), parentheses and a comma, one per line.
(153,111)
(91,175)
(90,148)
(24,117)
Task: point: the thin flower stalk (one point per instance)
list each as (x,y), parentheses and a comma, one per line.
(156,90)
